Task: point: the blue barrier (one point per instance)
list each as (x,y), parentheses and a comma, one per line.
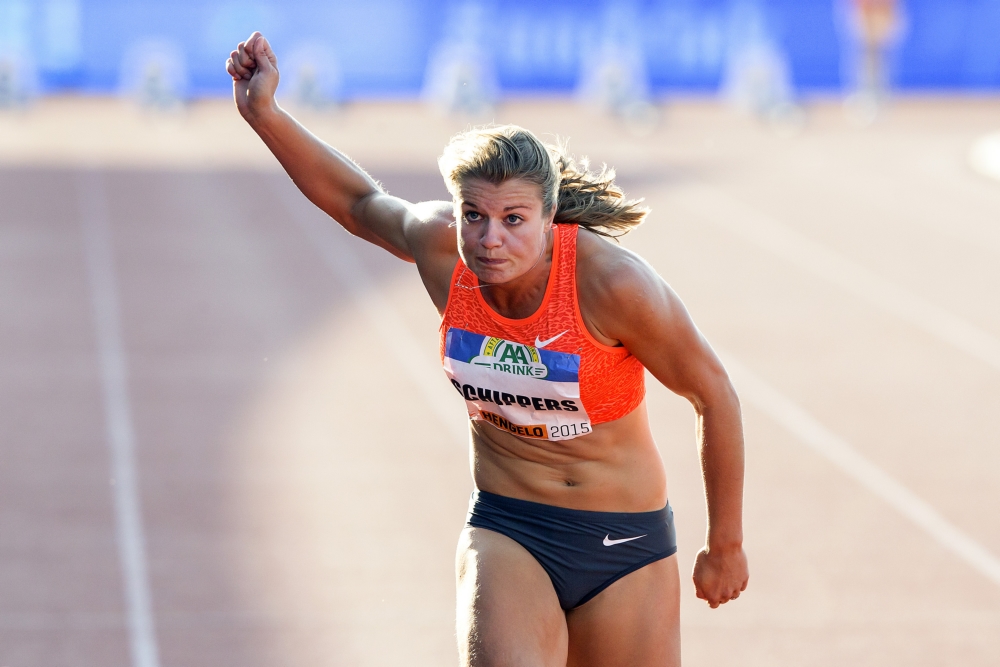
(381,47)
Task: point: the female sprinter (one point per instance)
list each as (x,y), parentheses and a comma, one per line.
(568,555)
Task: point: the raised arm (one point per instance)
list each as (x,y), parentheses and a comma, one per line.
(327,177)
(646,316)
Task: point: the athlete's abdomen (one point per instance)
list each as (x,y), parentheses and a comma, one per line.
(615,468)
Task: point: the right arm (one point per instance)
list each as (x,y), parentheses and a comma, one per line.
(330,179)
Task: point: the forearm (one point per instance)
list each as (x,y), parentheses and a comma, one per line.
(720,435)
(327,177)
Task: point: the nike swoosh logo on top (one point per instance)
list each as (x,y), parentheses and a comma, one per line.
(539,344)
(611,543)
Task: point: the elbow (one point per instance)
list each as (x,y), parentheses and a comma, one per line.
(716,393)
(352,219)
(363,198)
(728,391)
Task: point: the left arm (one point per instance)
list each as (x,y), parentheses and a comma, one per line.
(638,309)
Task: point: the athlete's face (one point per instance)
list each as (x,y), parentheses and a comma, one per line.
(502,229)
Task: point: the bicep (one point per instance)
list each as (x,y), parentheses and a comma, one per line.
(658,330)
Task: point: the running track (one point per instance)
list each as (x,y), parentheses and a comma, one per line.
(224,439)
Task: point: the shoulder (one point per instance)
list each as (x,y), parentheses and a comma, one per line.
(630,304)
(612,275)
(617,288)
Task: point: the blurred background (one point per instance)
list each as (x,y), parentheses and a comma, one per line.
(383,48)
(225,438)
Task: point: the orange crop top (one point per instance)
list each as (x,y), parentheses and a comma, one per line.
(544,376)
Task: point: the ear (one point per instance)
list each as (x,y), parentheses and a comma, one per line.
(551,221)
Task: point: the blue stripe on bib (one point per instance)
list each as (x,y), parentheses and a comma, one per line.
(511,357)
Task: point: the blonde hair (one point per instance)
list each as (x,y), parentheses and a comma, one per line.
(579,196)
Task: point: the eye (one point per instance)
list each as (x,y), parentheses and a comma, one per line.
(472,216)
(513,219)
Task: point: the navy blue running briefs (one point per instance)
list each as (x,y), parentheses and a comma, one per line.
(583,552)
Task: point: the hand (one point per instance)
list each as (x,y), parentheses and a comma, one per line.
(254,69)
(720,575)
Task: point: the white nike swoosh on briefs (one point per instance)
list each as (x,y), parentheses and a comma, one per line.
(539,344)
(611,543)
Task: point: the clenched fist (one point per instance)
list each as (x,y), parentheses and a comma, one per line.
(720,575)
(254,69)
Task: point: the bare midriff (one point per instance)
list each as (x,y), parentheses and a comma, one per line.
(617,468)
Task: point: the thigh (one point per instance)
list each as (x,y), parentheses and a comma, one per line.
(635,622)
(508,612)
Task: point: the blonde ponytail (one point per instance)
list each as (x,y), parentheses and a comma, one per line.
(592,200)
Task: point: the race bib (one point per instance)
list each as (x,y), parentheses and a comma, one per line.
(530,392)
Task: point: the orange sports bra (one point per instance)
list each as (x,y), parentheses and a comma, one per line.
(544,376)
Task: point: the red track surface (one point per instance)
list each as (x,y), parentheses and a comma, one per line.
(300,495)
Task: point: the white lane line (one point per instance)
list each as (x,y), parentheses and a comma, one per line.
(840,453)
(384,320)
(118,418)
(723,210)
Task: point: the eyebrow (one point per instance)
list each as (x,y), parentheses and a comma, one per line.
(506,208)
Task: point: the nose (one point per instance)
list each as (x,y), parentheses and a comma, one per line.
(492,234)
